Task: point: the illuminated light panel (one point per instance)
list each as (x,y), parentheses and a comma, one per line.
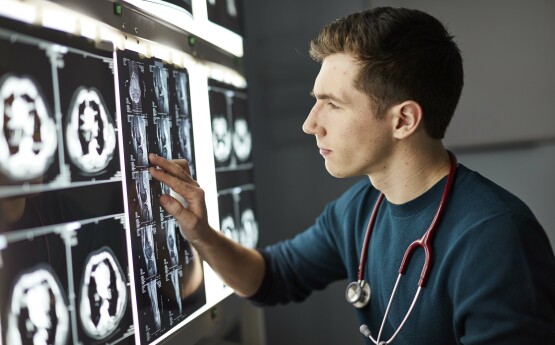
(226,75)
(60,20)
(109,305)
(221,37)
(89,28)
(21,11)
(199,25)
(38,292)
(172,14)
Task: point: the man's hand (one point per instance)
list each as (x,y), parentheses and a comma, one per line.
(192,216)
(239,267)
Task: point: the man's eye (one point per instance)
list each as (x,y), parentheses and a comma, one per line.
(333,106)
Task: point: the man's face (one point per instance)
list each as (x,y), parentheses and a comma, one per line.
(352,140)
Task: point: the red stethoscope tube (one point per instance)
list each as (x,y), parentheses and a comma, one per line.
(423,242)
(358,292)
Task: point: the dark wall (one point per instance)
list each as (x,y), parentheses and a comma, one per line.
(292,183)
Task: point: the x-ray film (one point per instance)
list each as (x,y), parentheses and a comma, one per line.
(226,13)
(231,129)
(242,135)
(99,257)
(87,101)
(57,125)
(183,140)
(222,136)
(132,75)
(233,158)
(28,145)
(169,282)
(90,132)
(160,90)
(37,301)
(247,222)
(34,291)
(237,215)
(141,199)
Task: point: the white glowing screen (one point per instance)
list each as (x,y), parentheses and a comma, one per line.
(103,295)
(90,133)
(28,136)
(38,295)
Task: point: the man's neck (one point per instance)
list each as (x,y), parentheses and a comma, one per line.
(412,172)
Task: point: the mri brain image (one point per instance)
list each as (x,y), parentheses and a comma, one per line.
(228,228)
(142,186)
(161,88)
(90,133)
(163,137)
(103,294)
(171,241)
(221,139)
(138,135)
(147,240)
(249,229)
(242,139)
(181,91)
(28,132)
(185,142)
(37,311)
(174,260)
(135,88)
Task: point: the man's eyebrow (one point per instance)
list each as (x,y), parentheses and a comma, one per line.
(326,96)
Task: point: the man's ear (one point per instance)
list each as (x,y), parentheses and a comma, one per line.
(407,118)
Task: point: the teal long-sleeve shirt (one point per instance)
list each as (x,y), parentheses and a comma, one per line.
(492,279)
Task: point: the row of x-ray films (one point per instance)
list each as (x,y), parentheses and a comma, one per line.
(87,253)
(233,158)
(225,13)
(64,267)
(156,113)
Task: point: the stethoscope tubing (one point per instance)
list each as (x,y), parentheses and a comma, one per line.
(424,242)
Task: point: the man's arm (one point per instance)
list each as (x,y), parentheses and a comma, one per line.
(240,268)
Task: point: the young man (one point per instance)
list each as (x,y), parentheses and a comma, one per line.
(388,86)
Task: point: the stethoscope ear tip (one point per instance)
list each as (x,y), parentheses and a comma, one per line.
(365,330)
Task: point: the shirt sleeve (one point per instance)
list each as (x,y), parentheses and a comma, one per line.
(504,287)
(309,261)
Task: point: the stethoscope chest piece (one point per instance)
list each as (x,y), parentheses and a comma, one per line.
(358,293)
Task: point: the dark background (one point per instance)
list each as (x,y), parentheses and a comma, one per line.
(292,184)
(502,45)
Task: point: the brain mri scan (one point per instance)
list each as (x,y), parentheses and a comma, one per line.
(161,88)
(134,88)
(181,91)
(138,136)
(249,229)
(28,136)
(242,139)
(221,139)
(151,270)
(228,228)
(103,294)
(90,133)
(38,312)
(144,205)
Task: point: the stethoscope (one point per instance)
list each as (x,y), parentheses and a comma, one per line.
(358,292)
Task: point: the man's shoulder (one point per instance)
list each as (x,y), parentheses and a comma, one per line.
(484,200)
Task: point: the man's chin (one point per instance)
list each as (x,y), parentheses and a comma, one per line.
(338,173)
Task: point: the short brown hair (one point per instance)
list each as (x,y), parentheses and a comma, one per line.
(404,55)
